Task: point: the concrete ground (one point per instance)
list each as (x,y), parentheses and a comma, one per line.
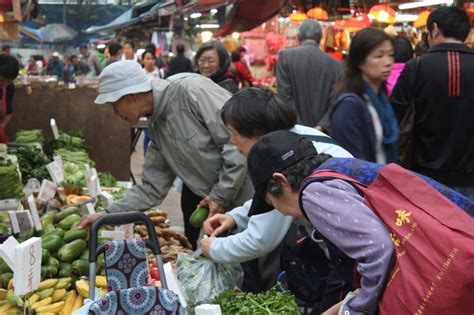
(172,202)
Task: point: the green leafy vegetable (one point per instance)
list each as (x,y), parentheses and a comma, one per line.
(29,136)
(271,302)
(107,180)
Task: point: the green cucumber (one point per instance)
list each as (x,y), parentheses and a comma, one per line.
(72,250)
(6,277)
(44,256)
(73,234)
(65,270)
(80,267)
(199,216)
(48,272)
(66,212)
(53,262)
(4,267)
(67,223)
(51,242)
(47,228)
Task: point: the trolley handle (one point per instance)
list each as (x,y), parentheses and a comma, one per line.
(120,219)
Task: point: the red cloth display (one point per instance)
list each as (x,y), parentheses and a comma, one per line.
(433,240)
(243,73)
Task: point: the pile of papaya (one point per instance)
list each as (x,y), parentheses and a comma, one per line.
(64,260)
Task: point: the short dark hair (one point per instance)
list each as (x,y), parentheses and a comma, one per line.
(236,56)
(148,52)
(150,47)
(452,21)
(363,43)
(254,112)
(5,48)
(9,67)
(114,48)
(129,42)
(402,48)
(180,49)
(296,173)
(72,58)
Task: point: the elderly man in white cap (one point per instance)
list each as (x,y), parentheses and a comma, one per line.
(306,76)
(188,140)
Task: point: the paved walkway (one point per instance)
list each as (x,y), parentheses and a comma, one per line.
(172,202)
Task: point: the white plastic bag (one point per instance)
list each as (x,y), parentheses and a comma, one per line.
(202,280)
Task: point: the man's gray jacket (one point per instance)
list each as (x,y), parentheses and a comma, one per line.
(189,140)
(306,76)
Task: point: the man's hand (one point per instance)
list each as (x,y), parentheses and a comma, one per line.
(217,224)
(319,128)
(214,207)
(88,219)
(206,245)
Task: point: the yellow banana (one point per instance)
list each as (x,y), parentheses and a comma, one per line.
(10,284)
(3,294)
(46,313)
(5,308)
(32,300)
(71,298)
(52,308)
(101,282)
(46,293)
(82,287)
(44,302)
(46,284)
(77,304)
(63,284)
(14,311)
(58,294)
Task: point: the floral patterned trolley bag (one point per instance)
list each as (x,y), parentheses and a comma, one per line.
(433,240)
(127,273)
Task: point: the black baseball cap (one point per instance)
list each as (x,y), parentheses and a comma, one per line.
(274,152)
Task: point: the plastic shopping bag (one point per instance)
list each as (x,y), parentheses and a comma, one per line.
(202,280)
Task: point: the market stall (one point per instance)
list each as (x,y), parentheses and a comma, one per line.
(107,136)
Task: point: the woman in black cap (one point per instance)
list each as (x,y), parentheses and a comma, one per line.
(213,61)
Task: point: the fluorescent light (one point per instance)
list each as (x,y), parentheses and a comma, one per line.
(213,11)
(207,26)
(195,15)
(185,18)
(424,3)
(401,17)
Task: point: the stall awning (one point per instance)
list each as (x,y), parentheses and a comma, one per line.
(139,13)
(51,33)
(248,14)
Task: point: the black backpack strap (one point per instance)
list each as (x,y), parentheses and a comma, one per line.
(322,139)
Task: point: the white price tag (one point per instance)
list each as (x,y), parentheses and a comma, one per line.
(47,190)
(92,181)
(106,199)
(24,221)
(34,213)
(14,222)
(27,271)
(54,128)
(56,172)
(127,229)
(90,208)
(58,159)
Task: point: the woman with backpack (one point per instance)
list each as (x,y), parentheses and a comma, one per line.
(408,235)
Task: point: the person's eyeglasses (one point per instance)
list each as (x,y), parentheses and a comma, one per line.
(208,61)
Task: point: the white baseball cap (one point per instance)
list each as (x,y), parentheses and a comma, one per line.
(121,78)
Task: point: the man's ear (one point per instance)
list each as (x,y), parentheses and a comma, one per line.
(280,178)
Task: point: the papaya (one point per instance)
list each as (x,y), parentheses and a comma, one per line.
(65,270)
(72,250)
(67,222)
(61,215)
(80,267)
(51,242)
(75,234)
(44,256)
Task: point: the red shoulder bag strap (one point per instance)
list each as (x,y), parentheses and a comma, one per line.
(336,175)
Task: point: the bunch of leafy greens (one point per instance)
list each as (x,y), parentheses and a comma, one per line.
(107,180)
(29,136)
(32,162)
(271,302)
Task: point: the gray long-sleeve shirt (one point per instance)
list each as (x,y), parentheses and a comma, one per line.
(338,212)
(189,140)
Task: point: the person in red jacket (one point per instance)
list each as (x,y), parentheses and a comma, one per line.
(243,74)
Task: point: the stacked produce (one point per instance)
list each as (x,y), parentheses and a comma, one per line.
(171,243)
(32,162)
(10,180)
(30,136)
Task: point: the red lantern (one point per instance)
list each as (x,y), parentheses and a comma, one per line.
(318,13)
(383,13)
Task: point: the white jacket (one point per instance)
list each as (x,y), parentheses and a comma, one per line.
(260,234)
